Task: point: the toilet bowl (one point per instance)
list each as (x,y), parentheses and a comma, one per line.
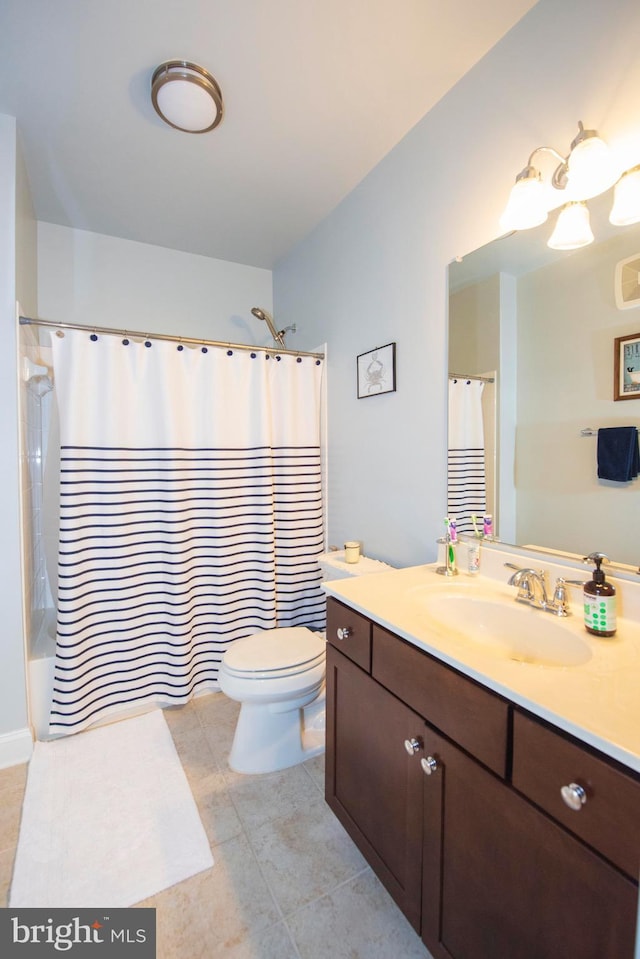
(277,676)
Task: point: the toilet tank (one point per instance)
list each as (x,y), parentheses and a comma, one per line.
(333,566)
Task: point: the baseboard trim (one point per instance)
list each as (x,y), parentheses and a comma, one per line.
(15,747)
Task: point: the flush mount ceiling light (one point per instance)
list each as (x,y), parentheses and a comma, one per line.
(587,171)
(186,96)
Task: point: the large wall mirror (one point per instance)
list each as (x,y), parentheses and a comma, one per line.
(542,325)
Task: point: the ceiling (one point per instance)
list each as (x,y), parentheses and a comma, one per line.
(316,92)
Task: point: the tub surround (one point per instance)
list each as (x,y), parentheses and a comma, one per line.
(596,701)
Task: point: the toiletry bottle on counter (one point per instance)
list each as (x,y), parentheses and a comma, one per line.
(599,600)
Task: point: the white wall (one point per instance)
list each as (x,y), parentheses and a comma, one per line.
(376,269)
(15,254)
(104,281)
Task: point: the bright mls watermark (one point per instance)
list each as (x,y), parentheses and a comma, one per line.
(103,932)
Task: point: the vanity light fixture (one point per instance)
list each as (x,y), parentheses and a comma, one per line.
(186,96)
(587,171)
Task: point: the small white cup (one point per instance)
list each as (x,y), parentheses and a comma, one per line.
(473,556)
(351,552)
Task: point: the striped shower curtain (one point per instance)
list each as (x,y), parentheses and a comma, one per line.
(190,515)
(466,481)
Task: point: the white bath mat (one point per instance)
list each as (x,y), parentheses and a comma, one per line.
(108,819)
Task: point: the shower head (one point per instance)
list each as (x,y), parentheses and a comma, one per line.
(268,319)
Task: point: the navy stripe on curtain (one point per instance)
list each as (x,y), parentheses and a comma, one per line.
(167,556)
(466,487)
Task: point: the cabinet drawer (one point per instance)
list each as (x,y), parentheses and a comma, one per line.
(350,632)
(609,820)
(464,711)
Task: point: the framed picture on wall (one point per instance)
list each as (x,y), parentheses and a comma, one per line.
(626,367)
(376,371)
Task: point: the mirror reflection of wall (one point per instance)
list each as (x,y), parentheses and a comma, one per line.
(564,325)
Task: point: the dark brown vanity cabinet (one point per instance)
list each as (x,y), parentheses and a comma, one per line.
(453,796)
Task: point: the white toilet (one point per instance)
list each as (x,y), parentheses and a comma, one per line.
(278,677)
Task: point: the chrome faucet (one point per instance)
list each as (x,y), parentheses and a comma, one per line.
(532,589)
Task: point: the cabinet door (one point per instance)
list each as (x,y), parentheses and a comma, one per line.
(373,784)
(513,882)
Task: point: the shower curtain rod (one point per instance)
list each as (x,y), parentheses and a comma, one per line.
(28,321)
(471,376)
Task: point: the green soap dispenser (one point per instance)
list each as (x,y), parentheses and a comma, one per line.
(599,600)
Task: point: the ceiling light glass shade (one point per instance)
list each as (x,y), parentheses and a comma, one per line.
(527,205)
(573,228)
(626,199)
(186,96)
(590,167)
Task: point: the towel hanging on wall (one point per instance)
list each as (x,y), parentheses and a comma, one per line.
(618,454)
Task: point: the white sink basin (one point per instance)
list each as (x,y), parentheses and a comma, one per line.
(509,631)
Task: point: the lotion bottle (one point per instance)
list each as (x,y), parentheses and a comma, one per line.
(599,600)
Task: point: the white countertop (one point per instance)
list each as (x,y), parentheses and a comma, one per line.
(597,701)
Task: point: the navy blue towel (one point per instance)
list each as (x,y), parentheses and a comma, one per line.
(618,453)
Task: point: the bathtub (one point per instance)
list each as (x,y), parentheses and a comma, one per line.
(41,667)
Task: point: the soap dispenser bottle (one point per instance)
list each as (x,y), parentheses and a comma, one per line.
(599,600)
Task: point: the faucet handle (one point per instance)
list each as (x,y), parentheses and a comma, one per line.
(560,604)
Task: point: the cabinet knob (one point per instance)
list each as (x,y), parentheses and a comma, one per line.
(429,765)
(412,745)
(343,632)
(574,796)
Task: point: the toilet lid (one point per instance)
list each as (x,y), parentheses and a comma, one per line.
(284,648)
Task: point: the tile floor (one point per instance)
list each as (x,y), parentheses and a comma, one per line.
(287,882)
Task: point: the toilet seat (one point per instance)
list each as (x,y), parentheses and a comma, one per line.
(269,654)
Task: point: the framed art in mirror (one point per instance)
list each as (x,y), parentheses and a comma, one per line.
(376,371)
(626,367)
